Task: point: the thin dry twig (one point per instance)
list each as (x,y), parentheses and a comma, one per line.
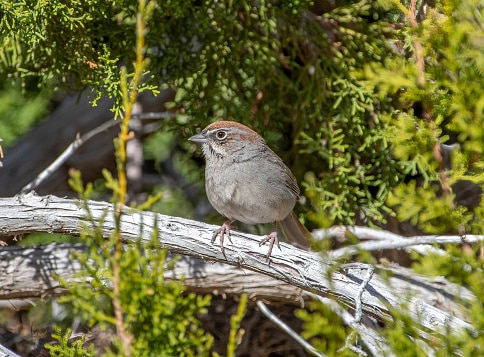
(358,312)
(79,141)
(283,326)
(154,115)
(66,154)
(359,294)
(386,240)
(348,345)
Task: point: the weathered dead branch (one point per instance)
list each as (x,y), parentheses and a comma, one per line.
(431,304)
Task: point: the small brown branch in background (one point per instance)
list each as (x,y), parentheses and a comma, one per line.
(255,103)
(417,46)
(444,182)
(412,15)
(419,60)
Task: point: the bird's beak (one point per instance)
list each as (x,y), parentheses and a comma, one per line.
(199,138)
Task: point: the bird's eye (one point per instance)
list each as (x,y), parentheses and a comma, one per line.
(221,134)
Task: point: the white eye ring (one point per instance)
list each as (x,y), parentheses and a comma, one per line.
(221,134)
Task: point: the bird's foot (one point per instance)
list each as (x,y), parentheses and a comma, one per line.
(223,231)
(272,239)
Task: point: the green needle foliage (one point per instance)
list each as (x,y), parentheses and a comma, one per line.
(324,330)
(440,101)
(275,66)
(463,266)
(19,112)
(65,348)
(339,96)
(236,333)
(284,71)
(358,102)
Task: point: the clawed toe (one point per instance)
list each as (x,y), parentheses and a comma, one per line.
(223,231)
(272,239)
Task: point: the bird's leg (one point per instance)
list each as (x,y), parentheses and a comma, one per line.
(223,230)
(271,238)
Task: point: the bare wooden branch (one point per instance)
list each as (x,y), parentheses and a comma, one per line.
(29,272)
(379,240)
(305,270)
(34,272)
(5,352)
(154,115)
